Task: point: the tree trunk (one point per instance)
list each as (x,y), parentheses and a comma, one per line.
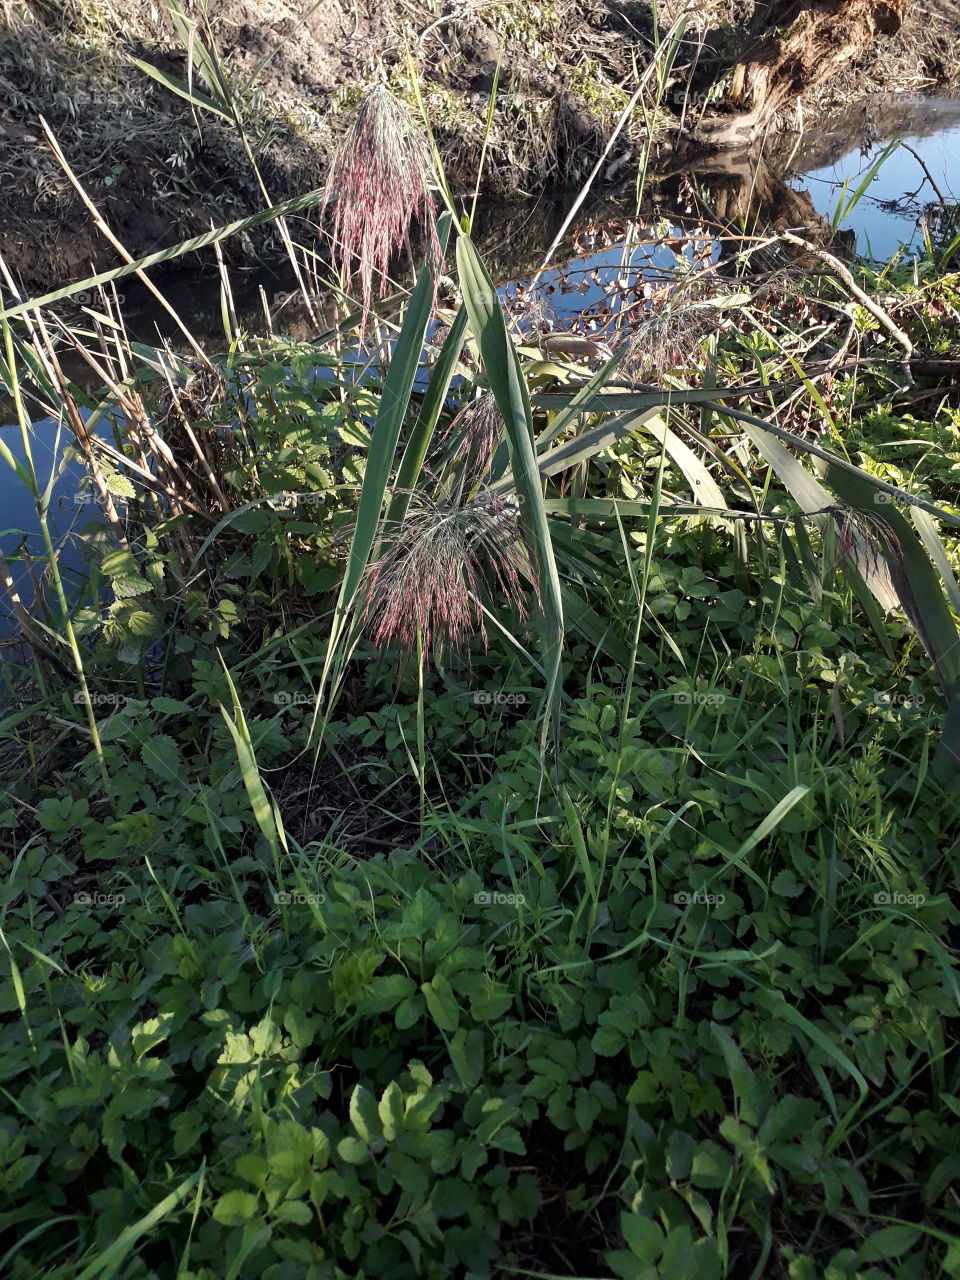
(798,45)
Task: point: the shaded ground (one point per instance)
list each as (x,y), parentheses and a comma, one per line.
(160,174)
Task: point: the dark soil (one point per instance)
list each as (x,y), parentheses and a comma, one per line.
(160,173)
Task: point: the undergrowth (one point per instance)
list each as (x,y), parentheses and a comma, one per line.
(615,938)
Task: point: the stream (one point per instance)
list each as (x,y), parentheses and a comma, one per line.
(915,188)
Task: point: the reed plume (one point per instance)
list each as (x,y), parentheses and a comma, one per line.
(437,569)
(377,188)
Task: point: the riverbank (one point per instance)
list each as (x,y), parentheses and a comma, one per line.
(160,172)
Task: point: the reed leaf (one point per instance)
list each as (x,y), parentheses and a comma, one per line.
(192,245)
(264,807)
(505,376)
(116,1254)
(411,464)
(182,90)
(815,501)
(394,403)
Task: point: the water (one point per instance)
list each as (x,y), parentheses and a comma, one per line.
(911,187)
(617,263)
(70,508)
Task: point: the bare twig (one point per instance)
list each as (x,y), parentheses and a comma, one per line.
(847,280)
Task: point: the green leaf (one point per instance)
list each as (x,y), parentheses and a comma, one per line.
(236,1208)
(170,706)
(411,464)
(786,885)
(812,498)
(889,1242)
(264,811)
(119,484)
(109,1260)
(607,1041)
(442,1003)
(750,1093)
(681,1149)
(394,402)
(129,588)
(644,1238)
(711,1166)
(390,1111)
(386,993)
(502,367)
(120,564)
(143,623)
(409,1012)
(467,1056)
(290,1150)
(508,1139)
(296,1211)
(363,1113)
(162,756)
(183,90)
(353,1151)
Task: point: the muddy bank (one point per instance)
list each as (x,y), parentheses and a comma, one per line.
(160,172)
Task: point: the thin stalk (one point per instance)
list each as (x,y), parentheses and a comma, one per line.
(105,231)
(676,31)
(51,557)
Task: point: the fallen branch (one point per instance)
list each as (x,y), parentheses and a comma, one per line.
(847,280)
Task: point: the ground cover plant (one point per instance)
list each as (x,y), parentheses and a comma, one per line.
(495,816)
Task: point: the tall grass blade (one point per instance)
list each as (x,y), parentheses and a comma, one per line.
(394,403)
(264,809)
(672,42)
(114,1256)
(418,443)
(845,204)
(814,500)
(503,371)
(192,245)
(177,86)
(938,554)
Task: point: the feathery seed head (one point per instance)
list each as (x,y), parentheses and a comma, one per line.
(668,338)
(475,433)
(378,185)
(439,566)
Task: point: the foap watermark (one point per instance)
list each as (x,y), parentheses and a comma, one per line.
(99,899)
(281,298)
(488,898)
(696,699)
(91,297)
(886,899)
(299,899)
(87,498)
(498,698)
(84,697)
(881,499)
(699,898)
(284,698)
(292,501)
(681,97)
(899,699)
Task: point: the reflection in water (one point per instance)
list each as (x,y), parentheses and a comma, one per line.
(919,183)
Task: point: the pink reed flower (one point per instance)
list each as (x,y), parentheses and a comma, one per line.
(377,187)
(440,565)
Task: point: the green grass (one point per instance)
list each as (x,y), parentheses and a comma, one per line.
(621,945)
